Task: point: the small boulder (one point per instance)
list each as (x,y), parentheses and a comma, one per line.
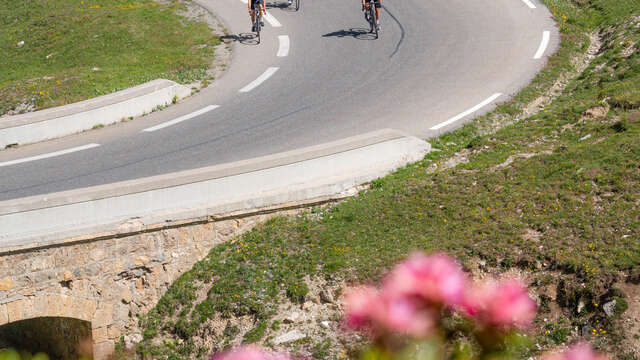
(291,318)
(289,337)
(609,308)
(307,305)
(130,341)
(326,296)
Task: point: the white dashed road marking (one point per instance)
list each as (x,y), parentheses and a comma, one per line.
(49,155)
(284,46)
(271,20)
(468,112)
(182,118)
(529,4)
(546,35)
(262,78)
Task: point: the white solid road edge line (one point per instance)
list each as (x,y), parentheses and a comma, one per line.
(546,35)
(255,83)
(529,4)
(182,118)
(49,155)
(283,50)
(470,111)
(271,20)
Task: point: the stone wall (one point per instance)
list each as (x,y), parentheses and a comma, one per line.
(109,279)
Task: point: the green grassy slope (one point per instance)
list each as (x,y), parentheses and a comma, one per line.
(555,193)
(74,50)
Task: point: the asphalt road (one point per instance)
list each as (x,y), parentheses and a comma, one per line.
(434,60)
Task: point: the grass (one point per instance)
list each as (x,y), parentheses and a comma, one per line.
(75,50)
(538,195)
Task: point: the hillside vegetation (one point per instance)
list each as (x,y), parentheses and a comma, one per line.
(57,52)
(547,186)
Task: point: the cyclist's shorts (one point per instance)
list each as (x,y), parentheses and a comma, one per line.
(254,2)
(376,3)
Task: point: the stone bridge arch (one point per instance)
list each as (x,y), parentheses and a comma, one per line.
(97,313)
(108,279)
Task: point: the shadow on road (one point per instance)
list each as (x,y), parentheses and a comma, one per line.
(284,6)
(242,38)
(356,33)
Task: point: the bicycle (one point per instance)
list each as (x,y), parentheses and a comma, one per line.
(258,22)
(370,16)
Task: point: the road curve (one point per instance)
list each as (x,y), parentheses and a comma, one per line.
(315,78)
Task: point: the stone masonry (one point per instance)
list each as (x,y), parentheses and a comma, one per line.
(108,279)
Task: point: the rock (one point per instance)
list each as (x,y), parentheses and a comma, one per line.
(67,276)
(289,337)
(307,305)
(313,298)
(6,285)
(126,296)
(580,306)
(609,308)
(142,261)
(325,324)
(586,331)
(326,296)
(20,44)
(585,137)
(130,341)
(291,318)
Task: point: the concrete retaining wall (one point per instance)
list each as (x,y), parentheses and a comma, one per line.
(307,173)
(104,110)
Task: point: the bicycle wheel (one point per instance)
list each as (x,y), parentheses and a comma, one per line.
(258,18)
(375,23)
(372,18)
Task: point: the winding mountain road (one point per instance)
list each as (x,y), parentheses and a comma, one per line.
(317,76)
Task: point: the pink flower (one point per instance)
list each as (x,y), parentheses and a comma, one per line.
(500,304)
(581,351)
(250,353)
(405,316)
(437,279)
(367,308)
(360,305)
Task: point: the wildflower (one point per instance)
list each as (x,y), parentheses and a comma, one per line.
(360,304)
(367,308)
(250,353)
(436,279)
(406,316)
(500,304)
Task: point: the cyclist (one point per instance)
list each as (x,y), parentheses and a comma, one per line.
(252,7)
(378,5)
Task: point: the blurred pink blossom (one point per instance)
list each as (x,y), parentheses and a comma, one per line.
(406,316)
(437,279)
(367,308)
(500,304)
(581,351)
(360,305)
(250,353)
